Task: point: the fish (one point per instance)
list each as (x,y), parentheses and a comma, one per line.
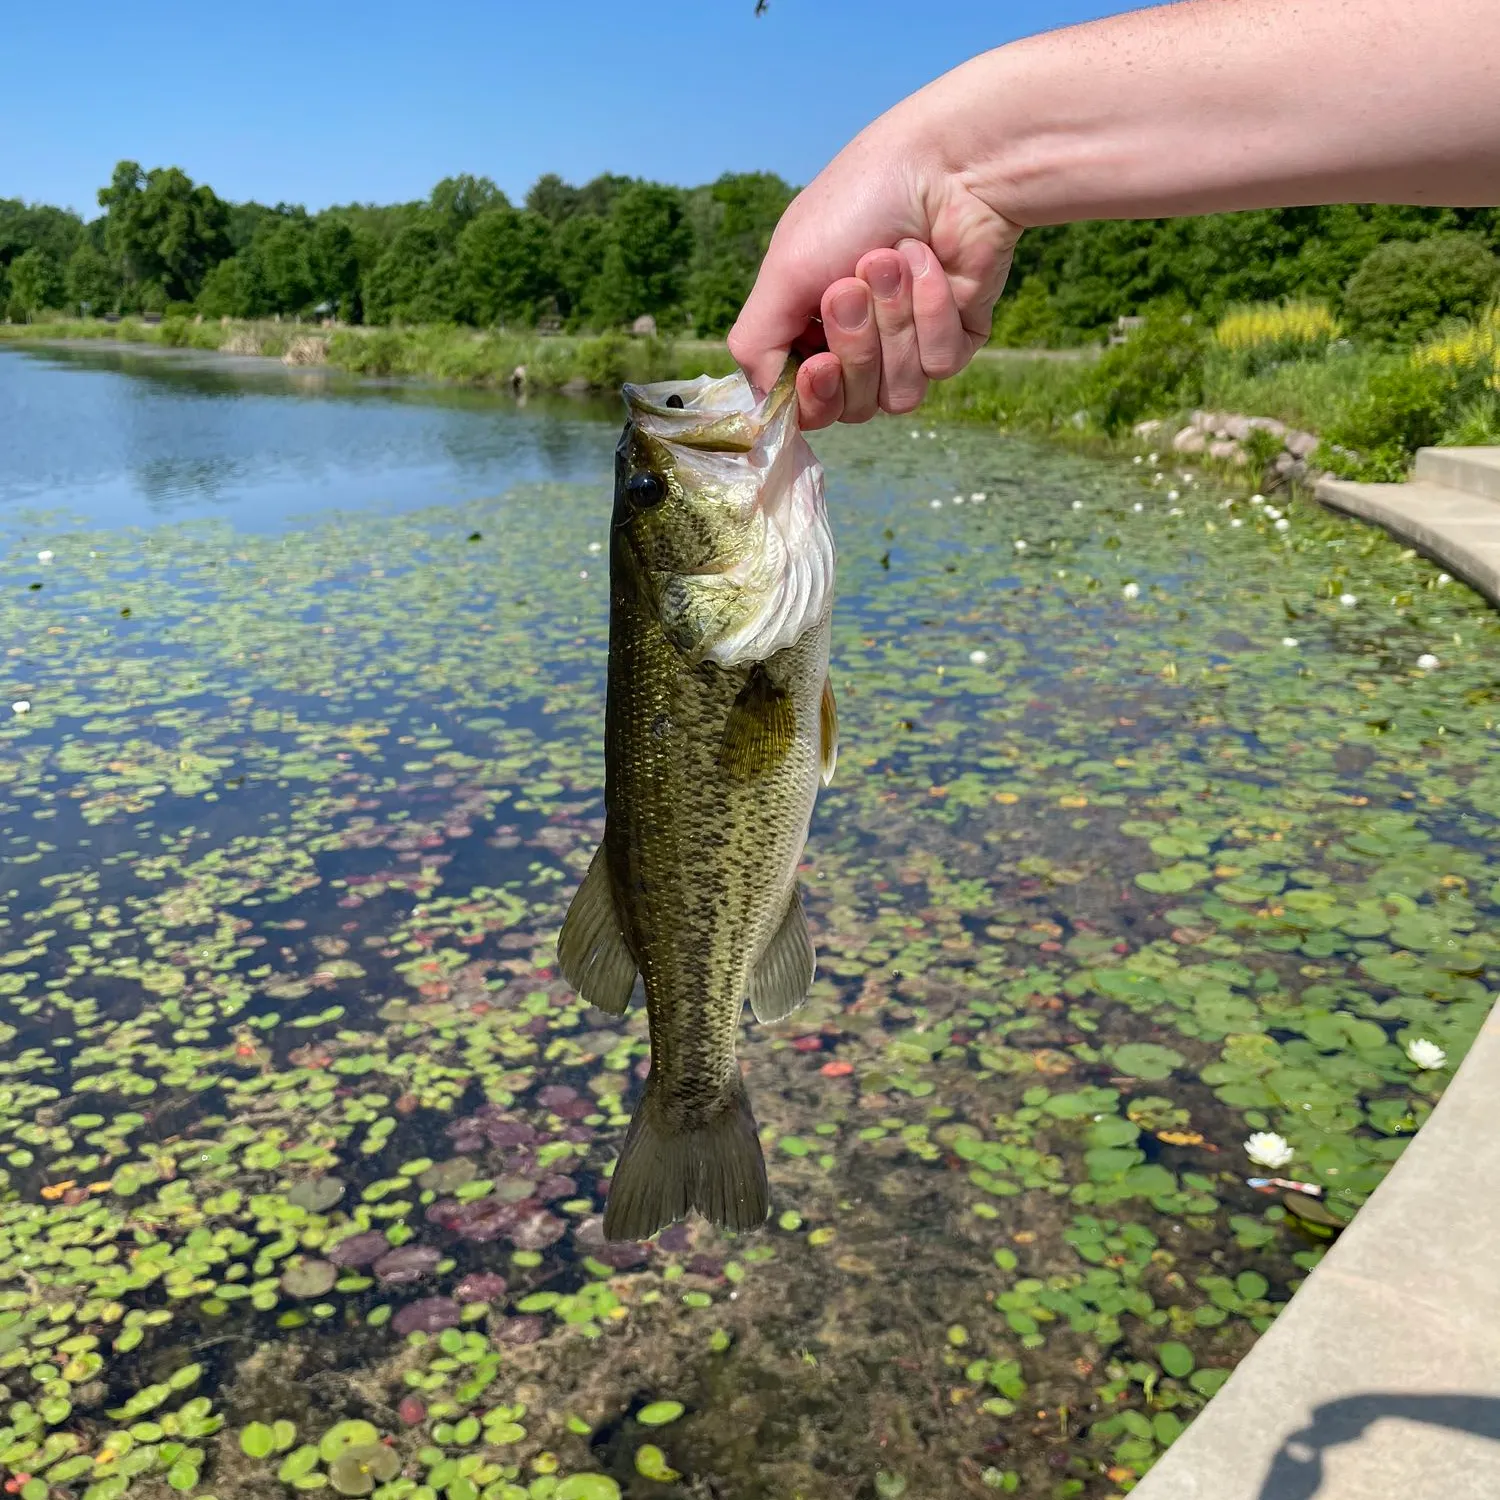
(720,725)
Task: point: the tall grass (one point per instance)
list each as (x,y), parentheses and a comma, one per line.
(1272,331)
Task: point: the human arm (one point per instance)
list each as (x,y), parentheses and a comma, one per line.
(1198,107)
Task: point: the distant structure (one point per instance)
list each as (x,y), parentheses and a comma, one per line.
(644,327)
(1124,327)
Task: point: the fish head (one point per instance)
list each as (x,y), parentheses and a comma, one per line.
(720,516)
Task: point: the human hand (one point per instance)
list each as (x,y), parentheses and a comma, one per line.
(884,272)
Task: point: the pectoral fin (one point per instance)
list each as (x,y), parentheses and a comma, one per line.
(828,731)
(591,949)
(761,726)
(784,974)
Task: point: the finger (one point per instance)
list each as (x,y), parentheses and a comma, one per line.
(902,383)
(849,326)
(945,345)
(780,309)
(820,392)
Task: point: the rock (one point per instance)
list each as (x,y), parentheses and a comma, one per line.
(1190,440)
(1272,425)
(1147,428)
(577,386)
(1237,428)
(1227,448)
(1284,463)
(1302,444)
(644,327)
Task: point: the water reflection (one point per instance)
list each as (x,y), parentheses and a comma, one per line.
(129,437)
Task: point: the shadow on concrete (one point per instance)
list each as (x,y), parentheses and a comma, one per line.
(1296,1472)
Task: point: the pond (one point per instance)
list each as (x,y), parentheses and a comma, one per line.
(1149,832)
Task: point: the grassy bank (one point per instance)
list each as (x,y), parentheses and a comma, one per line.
(1374,404)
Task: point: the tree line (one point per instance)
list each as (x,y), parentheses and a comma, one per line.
(592,257)
(600,255)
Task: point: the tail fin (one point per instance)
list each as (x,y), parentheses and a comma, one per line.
(663,1173)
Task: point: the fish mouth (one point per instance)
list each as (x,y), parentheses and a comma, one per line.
(710,415)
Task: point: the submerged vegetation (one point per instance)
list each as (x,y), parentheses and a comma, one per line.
(1158,825)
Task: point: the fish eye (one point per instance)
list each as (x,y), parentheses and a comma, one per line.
(675,401)
(646,489)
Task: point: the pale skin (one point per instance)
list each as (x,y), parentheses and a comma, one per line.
(891,261)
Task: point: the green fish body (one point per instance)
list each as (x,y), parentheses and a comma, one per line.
(719,726)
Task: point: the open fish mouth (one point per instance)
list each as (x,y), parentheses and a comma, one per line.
(723,439)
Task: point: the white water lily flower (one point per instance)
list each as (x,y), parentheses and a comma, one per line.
(1443,578)
(1137,506)
(1289,640)
(1173,495)
(583,572)
(1152,457)
(916,432)
(1282,525)
(1138,459)
(1078,505)
(1426,662)
(1274,514)
(1236,522)
(20,706)
(1176,510)
(979,657)
(1267,1149)
(936,504)
(45,555)
(596,546)
(977,496)
(958,499)
(1020,545)
(1257,499)
(1131,591)
(1425,1054)
(1348,600)
(931,433)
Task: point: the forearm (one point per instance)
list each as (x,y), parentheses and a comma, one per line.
(1210,105)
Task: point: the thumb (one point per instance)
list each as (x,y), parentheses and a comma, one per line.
(778,312)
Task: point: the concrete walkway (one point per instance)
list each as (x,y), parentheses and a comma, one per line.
(1381,1380)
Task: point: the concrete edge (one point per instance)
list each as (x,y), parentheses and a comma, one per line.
(1382,1376)
(1475,471)
(1442,539)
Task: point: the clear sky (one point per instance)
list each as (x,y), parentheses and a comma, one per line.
(328,101)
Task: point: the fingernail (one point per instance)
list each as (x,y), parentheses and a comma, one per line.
(884,278)
(825,382)
(916,257)
(851,309)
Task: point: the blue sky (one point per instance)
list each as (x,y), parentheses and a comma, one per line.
(327,101)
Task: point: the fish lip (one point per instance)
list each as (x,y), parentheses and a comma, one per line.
(736,426)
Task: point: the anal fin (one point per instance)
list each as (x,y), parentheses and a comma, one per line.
(784,974)
(591,949)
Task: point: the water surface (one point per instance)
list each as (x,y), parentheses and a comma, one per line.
(1141,840)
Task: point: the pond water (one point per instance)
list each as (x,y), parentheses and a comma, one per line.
(1148,833)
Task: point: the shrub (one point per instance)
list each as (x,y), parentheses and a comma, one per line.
(1158,368)
(1402,409)
(1027,320)
(602,361)
(1469,356)
(1269,333)
(1405,289)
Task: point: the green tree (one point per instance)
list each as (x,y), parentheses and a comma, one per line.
(92,281)
(1406,288)
(333,259)
(228,291)
(32,278)
(505,270)
(457,201)
(578,246)
(281,251)
(164,232)
(645,259)
(414,281)
(552,198)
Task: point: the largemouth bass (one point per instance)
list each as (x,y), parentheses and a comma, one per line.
(719,724)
